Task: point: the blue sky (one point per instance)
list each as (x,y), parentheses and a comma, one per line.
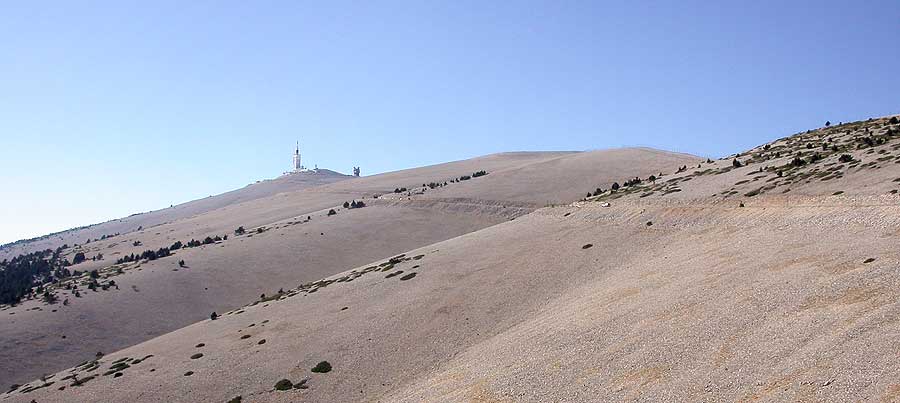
(111,108)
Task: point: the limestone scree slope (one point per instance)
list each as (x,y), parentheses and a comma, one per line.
(770,275)
(290,238)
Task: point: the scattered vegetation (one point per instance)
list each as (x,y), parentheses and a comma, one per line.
(354,204)
(24,276)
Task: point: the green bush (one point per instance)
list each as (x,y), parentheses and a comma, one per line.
(322,367)
(284,384)
(79,257)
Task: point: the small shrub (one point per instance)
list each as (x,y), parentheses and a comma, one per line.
(322,367)
(587,245)
(869,260)
(845,158)
(407,277)
(196,356)
(189,373)
(284,384)
(213,316)
(236,399)
(332,212)
(246,336)
(262,341)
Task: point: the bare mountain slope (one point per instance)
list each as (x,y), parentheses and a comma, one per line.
(674,296)
(711,302)
(290,239)
(564,179)
(261,189)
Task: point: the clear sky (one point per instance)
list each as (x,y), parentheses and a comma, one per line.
(112,108)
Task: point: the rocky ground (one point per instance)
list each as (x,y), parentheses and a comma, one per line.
(760,278)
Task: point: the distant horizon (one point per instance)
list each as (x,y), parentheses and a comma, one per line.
(10,242)
(111,108)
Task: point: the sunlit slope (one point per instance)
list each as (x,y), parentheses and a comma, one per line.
(261,189)
(769,278)
(290,239)
(575,303)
